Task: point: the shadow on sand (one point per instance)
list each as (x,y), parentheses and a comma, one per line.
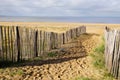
(74,52)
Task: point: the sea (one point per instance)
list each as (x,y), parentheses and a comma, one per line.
(108,20)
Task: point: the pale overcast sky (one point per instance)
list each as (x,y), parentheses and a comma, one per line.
(60,8)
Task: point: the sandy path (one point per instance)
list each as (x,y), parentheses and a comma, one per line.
(72,61)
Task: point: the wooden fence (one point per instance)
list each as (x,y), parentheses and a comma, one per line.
(112,52)
(18,43)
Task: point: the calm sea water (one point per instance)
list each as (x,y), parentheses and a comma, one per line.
(112,20)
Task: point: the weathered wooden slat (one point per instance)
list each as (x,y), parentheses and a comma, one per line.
(79,31)
(62,39)
(32,42)
(48,40)
(66,35)
(26,42)
(11,37)
(10,43)
(56,41)
(119,69)
(59,40)
(57,36)
(69,35)
(112,51)
(74,34)
(18,44)
(0,45)
(22,43)
(3,42)
(36,36)
(25,45)
(51,40)
(45,42)
(114,56)
(1,50)
(83,29)
(109,52)
(117,57)
(65,38)
(38,44)
(29,43)
(14,44)
(106,47)
(42,42)
(112,48)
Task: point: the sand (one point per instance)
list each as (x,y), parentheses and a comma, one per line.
(62,27)
(69,64)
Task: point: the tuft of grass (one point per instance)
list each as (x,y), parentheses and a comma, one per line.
(108,76)
(83,78)
(19,72)
(98,55)
(51,54)
(1,70)
(103,38)
(12,74)
(75,38)
(100,48)
(36,58)
(98,60)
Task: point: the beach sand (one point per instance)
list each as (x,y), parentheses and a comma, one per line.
(61,68)
(62,27)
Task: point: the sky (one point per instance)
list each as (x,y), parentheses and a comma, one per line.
(99,8)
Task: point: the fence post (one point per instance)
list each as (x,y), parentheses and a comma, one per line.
(1,54)
(112,52)
(36,37)
(18,43)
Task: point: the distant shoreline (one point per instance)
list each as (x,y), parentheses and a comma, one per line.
(24,22)
(99,20)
